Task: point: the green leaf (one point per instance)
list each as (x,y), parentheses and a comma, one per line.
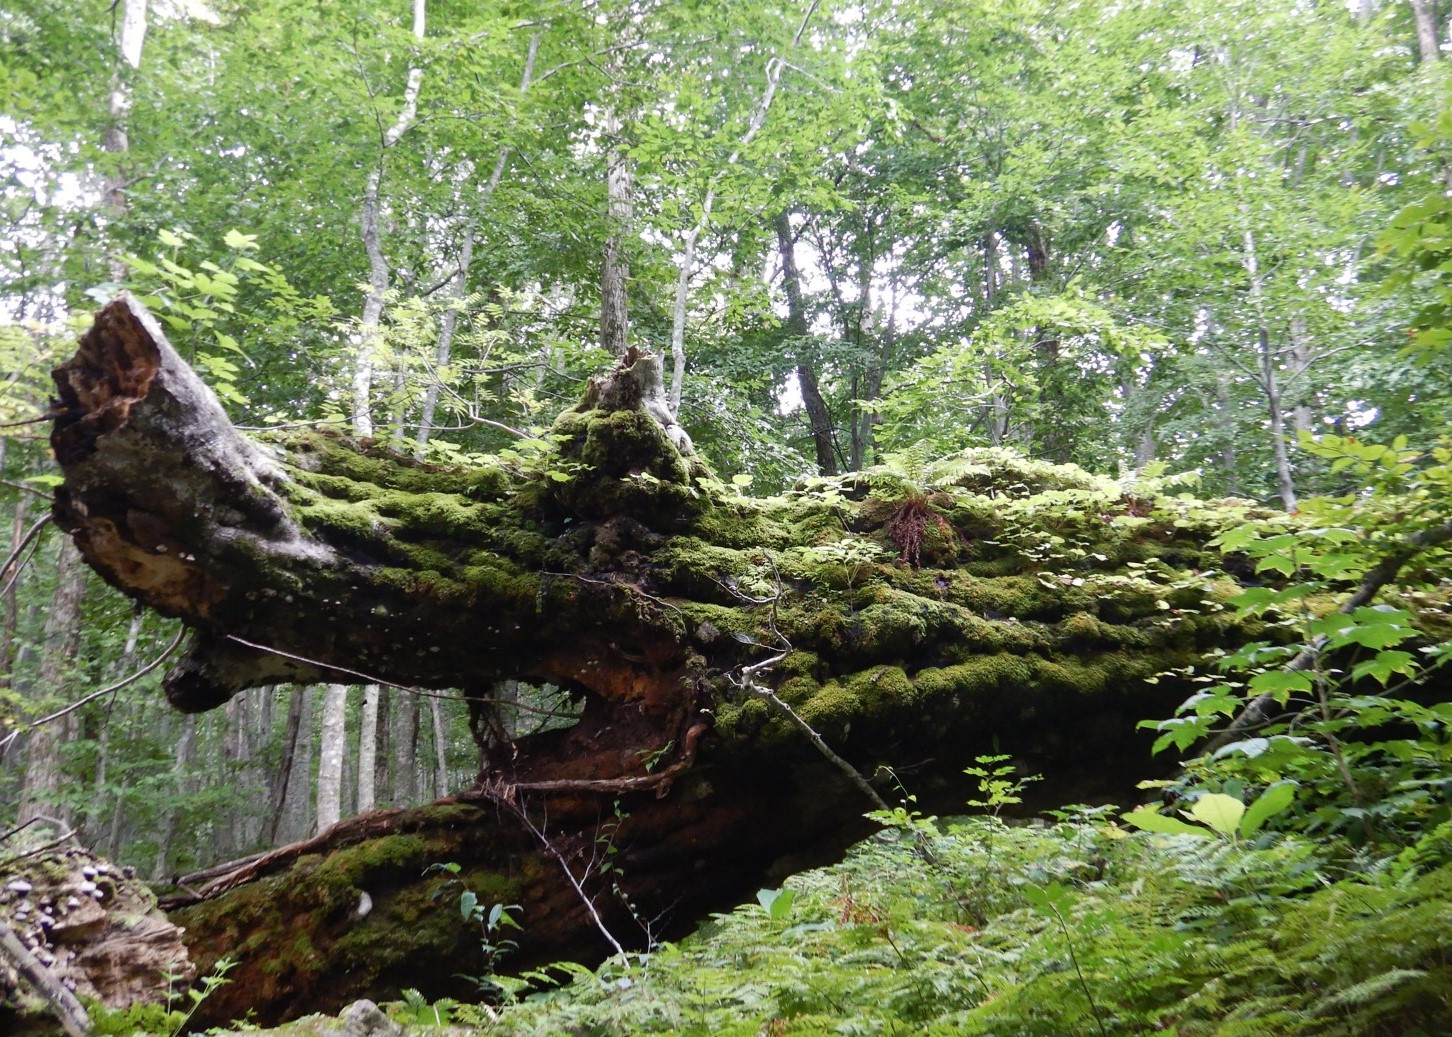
(468,904)
(238,240)
(1382,665)
(1280,684)
(170,239)
(777,903)
(1151,820)
(1219,811)
(1266,806)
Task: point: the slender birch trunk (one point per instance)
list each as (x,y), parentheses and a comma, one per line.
(378,271)
(181,763)
(459,290)
(1424,15)
(774,67)
(1269,363)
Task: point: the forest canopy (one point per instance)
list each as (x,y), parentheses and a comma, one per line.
(1108,341)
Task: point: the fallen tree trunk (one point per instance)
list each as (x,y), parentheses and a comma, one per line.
(620,570)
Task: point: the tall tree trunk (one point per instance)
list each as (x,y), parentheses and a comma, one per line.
(1302,415)
(854,330)
(818,415)
(459,289)
(332,746)
(100,795)
(44,779)
(1225,423)
(774,67)
(441,749)
(181,765)
(378,274)
(1268,361)
(298,812)
(615,265)
(1270,384)
(283,776)
(1424,14)
(404,744)
(368,750)
(129,44)
(1054,437)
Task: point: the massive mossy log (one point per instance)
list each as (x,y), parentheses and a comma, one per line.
(620,570)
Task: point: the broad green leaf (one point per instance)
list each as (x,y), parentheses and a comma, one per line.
(777,903)
(1151,820)
(1280,684)
(1267,805)
(1381,666)
(1219,811)
(238,240)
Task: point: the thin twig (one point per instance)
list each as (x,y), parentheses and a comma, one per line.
(550,849)
(117,686)
(48,416)
(65,836)
(747,680)
(30,535)
(27,488)
(364,677)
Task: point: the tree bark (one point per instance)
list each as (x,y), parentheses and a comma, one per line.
(1424,15)
(370,212)
(818,415)
(181,764)
(403,741)
(282,779)
(657,605)
(368,750)
(44,778)
(10,597)
(331,745)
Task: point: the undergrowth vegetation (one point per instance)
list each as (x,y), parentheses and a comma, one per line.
(1076,925)
(1299,881)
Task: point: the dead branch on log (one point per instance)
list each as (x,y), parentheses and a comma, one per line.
(511,804)
(747,680)
(346,832)
(660,781)
(63,1004)
(66,836)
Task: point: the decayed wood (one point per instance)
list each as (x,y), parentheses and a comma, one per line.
(68,1011)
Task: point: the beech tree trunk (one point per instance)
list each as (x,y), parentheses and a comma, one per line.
(368,750)
(667,611)
(331,751)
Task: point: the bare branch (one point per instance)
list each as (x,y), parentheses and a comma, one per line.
(117,686)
